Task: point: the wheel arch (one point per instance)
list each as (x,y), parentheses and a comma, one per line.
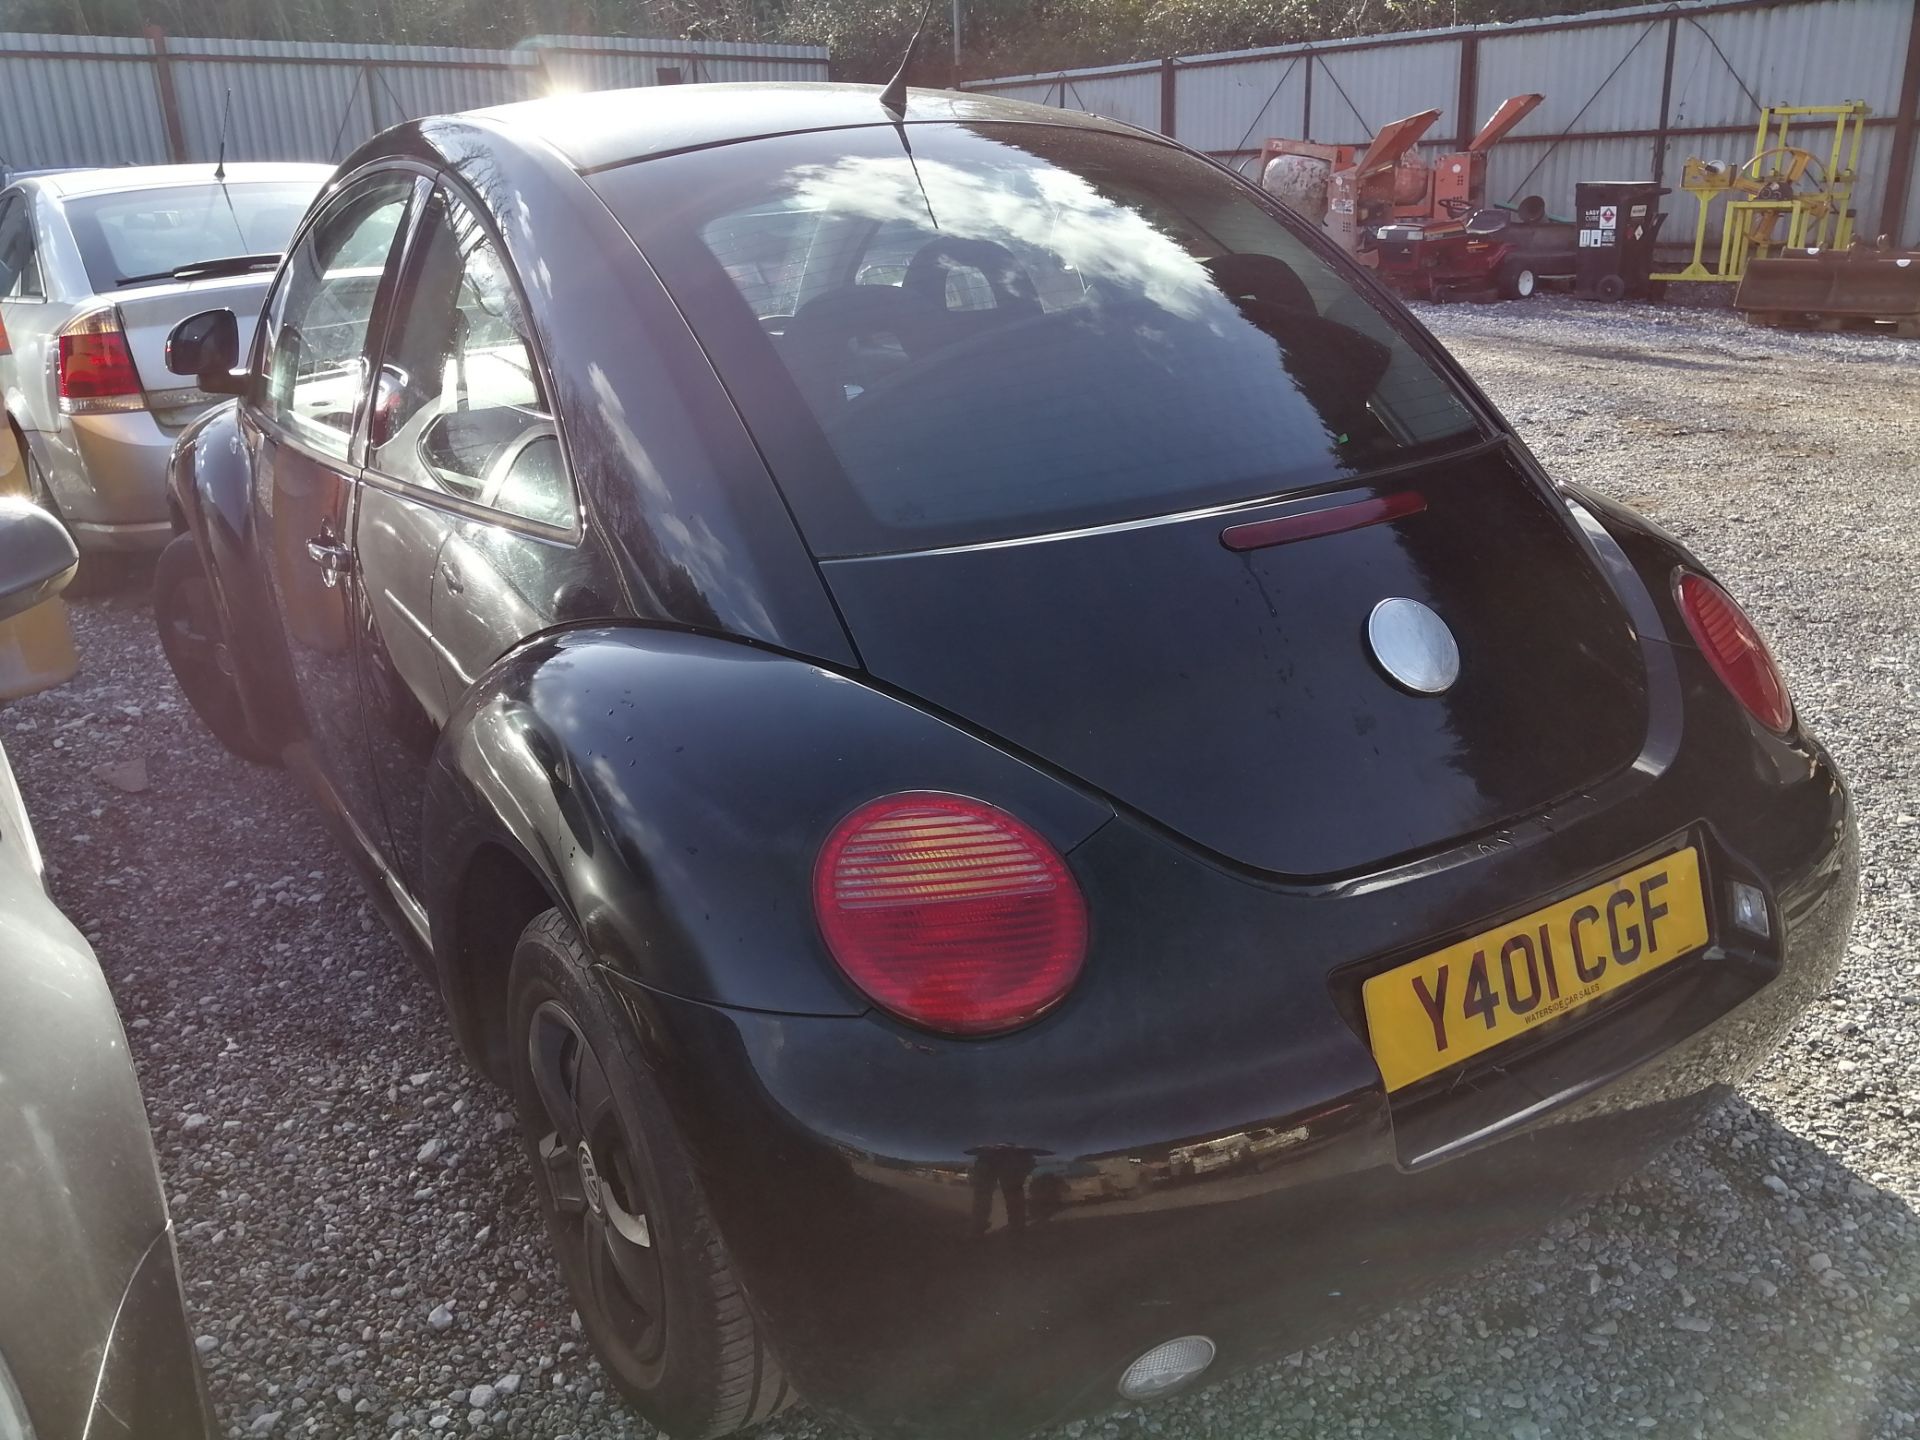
(498,893)
(669,792)
(28,457)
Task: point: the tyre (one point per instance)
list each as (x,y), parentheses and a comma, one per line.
(642,1256)
(1611,288)
(1517,280)
(195,645)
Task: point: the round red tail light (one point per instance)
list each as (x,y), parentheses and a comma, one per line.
(1735,650)
(950,913)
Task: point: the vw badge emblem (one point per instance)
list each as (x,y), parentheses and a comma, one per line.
(590,1178)
(1413,645)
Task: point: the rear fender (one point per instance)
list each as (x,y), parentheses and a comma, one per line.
(1642,557)
(210,495)
(671,791)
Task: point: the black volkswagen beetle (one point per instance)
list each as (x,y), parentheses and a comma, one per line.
(1032,793)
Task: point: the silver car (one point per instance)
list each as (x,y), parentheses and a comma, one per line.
(96,266)
(93,1331)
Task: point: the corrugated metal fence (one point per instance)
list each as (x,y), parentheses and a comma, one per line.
(107,100)
(1630,93)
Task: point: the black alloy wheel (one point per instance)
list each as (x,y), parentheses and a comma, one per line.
(195,644)
(641,1254)
(589,1175)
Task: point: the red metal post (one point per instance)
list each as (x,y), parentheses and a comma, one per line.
(1905,128)
(169,98)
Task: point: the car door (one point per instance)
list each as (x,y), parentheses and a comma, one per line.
(468,535)
(306,407)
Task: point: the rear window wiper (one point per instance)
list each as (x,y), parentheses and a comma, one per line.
(206,269)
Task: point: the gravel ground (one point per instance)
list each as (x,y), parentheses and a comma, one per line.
(360,1246)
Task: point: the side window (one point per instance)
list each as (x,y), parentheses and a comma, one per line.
(314,360)
(459,407)
(19,259)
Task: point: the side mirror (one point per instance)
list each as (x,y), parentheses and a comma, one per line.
(207,347)
(37,556)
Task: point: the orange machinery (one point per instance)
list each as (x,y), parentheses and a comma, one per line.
(1352,190)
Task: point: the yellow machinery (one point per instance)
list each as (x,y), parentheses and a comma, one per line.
(1778,182)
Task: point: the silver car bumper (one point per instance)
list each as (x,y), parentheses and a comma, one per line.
(99,535)
(108,475)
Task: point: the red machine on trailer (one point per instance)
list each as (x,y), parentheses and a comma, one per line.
(1352,190)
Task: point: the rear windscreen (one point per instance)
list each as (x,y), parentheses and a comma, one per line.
(142,235)
(1022,328)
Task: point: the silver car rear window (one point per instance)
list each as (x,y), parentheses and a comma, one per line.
(140,233)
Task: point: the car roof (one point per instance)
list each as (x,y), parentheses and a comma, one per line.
(601,128)
(121,178)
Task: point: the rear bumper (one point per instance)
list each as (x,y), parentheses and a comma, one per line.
(108,474)
(137,536)
(971,1239)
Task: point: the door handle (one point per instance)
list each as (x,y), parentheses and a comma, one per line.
(455,585)
(334,558)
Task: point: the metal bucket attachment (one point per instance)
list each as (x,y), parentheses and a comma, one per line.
(1882,286)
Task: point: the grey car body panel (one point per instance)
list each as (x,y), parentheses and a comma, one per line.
(89,1299)
(80,1197)
(107,472)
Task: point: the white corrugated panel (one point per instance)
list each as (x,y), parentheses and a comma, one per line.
(1130,99)
(1520,168)
(1224,107)
(1034,92)
(74,107)
(1003,84)
(406,82)
(1602,74)
(1788,55)
(306,101)
(1355,92)
(406,92)
(303,101)
(1571,68)
(282,110)
(595,62)
(1125,93)
(1910,226)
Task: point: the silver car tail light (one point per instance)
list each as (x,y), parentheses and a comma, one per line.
(96,375)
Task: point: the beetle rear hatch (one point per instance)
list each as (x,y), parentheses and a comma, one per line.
(1015,384)
(1232,696)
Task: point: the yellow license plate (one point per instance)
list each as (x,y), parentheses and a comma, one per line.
(1455,1003)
